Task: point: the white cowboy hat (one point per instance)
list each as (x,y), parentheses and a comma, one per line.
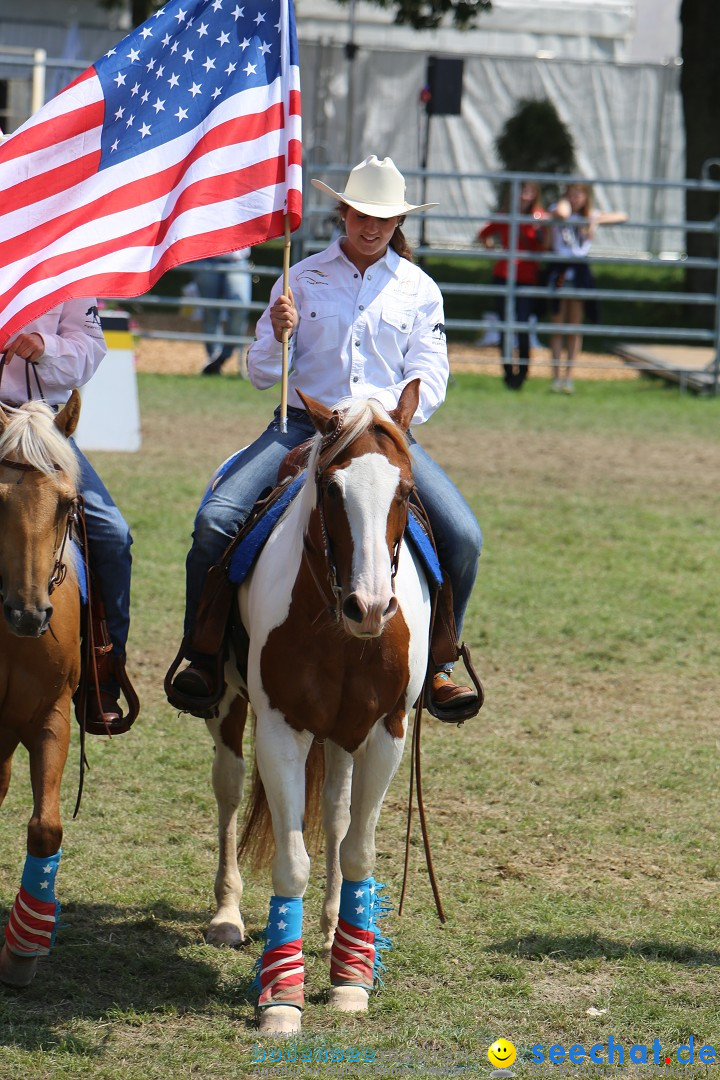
(375,188)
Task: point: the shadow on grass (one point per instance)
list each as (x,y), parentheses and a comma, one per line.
(591,946)
(122,964)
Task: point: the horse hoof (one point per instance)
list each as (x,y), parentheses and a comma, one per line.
(349,998)
(279,1020)
(17,971)
(226,934)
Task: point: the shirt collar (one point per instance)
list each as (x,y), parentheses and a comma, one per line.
(391,258)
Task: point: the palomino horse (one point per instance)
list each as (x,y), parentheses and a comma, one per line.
(337,612)
(39,652)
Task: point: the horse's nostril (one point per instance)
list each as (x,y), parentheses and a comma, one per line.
(391,608)
(352,610)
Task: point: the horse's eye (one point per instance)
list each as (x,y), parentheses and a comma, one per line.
(333,492)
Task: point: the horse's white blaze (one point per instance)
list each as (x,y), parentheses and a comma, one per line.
(369,485)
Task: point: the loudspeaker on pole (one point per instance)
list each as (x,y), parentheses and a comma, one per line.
(444,83)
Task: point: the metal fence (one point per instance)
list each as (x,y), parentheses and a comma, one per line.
(318,223)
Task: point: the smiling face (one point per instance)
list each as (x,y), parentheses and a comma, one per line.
(501,1054)
(367,238)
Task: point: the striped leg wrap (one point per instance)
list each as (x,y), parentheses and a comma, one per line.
(355,960)
(280,973)
(33,919)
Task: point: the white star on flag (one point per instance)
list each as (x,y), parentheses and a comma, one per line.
(44,884)
(358,892)
(282,925)
(360,909)
(47,869)
(283,909)
(225,167)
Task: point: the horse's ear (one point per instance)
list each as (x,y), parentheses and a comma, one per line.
(318,413)
(67,419)
(406,407)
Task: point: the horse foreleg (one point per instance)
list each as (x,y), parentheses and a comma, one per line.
(354,961)
(281,753)
(8,746)
(336,818)
(31,929)
(228,776)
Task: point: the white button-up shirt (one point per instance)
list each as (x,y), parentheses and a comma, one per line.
(358,336)
(73,347)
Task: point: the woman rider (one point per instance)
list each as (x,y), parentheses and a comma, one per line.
(364,321)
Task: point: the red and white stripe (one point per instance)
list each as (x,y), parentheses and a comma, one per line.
(352,959)
(69,230)
(282,975)
(32,925)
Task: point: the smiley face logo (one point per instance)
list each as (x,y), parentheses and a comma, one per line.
(501,1054)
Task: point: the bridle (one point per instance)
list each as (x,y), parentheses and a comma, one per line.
(334,601)
(59,570)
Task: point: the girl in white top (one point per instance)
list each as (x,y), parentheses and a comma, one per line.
(571,238)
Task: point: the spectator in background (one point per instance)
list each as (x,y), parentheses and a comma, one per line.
(530,238)
(235,288)
(571,237)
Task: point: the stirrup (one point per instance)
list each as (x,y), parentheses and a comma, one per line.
(460,713)
(205,708)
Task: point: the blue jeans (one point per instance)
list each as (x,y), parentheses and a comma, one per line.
(109,542)
(457,533)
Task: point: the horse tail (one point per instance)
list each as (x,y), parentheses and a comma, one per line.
(257,846)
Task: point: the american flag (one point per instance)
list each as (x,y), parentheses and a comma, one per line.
(180,143)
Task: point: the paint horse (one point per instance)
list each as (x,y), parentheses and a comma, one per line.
(337,613)
(39,652)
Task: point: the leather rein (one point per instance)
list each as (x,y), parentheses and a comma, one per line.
(334,609)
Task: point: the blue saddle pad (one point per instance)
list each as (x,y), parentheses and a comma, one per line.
(248,550)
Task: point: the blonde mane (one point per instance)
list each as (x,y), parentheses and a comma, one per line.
(357,416)
(32,438)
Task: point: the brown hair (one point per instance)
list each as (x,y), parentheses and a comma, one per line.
(587,189)
(399,243)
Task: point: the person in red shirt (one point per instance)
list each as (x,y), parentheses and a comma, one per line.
(530,237)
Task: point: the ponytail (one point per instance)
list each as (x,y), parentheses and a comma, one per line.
(399,244)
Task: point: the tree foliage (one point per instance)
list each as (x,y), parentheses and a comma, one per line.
(700,87)
(429,14)
(535,139)
(420,14)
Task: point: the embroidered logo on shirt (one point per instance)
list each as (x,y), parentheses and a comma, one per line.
(310,277)
(92,316)
(439,329)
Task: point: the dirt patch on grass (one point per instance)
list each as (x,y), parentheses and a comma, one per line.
(156,356)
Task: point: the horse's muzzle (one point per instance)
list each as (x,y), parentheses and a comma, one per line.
(23,623)
(367,620)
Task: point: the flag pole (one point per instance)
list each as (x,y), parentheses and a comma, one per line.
(286,332)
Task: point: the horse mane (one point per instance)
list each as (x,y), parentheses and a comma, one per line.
(357,416)
(32,438)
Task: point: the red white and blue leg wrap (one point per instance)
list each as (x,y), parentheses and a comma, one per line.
(355,956)
(33,919)
(280,975)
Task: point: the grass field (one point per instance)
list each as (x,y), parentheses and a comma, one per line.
(574,822)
